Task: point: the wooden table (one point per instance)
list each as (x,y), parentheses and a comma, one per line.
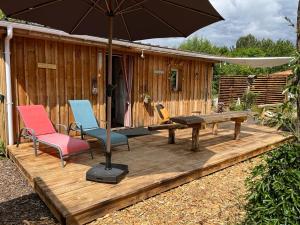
(196,122)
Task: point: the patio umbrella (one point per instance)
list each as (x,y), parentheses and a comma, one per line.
(122,19)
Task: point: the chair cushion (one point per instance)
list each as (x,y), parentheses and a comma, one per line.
(65,143)
(35,117)
(116,138)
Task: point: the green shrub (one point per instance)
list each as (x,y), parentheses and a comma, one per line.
(274,188)
(248,100)
(233,106)
(285,118)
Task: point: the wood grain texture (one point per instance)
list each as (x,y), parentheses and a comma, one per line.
(74,66)
(159,167)
(194,95)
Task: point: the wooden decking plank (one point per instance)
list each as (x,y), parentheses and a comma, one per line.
(154,165)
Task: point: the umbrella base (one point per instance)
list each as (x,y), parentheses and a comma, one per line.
(100,174)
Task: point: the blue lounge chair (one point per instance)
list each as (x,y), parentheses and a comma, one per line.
(86,124)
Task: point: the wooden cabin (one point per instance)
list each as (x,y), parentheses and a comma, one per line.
(49,67)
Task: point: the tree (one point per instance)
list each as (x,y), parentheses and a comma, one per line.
(248,41)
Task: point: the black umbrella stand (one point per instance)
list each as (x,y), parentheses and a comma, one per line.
(108,172)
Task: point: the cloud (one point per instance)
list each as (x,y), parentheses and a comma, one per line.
(262,18)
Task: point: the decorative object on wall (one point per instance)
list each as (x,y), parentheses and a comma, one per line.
(147,98)
(159,72)
(2,97)
(46,66)
(94,86)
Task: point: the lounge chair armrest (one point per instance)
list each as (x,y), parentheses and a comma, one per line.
(63,126)
(75,126)
(28,133)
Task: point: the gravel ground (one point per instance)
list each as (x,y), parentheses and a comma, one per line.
(216,199)
(211,200)
(18,203)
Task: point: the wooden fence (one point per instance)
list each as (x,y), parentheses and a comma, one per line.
(269,88)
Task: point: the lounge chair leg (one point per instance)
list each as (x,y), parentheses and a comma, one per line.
(62,162)
(35,145)
(69,129)
(19,138)
(92,155)
(128,146)
(61,159)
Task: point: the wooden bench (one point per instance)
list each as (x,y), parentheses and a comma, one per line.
(196,123)
(172,127)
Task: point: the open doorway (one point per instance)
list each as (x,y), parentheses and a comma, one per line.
(119,93)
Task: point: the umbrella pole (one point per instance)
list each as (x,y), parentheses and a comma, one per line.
(108,172)
(109,94)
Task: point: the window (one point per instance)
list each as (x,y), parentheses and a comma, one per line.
(175,80)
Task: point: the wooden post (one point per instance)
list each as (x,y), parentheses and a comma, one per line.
(237,130)
(171,139)
(215,128)
(195,138)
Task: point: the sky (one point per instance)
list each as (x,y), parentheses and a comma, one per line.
(262,18)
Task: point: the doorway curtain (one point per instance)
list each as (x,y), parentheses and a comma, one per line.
(127,71)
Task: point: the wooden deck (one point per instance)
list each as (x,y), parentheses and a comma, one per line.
(154,165)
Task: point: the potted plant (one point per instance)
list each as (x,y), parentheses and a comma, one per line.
(147,98)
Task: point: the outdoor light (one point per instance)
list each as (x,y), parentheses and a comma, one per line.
(142,55)
(94,86)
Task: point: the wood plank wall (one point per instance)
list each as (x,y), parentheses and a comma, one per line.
(269,88)
(3,135)
(50,72)
(195,94)
(75,66)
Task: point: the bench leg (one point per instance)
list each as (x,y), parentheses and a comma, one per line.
(215,129)
(195,139)
(237,130)
(171,139)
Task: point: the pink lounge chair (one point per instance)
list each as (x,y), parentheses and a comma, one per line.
(39,129)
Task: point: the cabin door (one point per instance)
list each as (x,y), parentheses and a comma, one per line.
(121,99)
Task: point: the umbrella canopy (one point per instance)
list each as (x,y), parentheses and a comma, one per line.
(121,19)
(134,19)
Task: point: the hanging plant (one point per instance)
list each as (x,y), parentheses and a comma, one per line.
(147,98)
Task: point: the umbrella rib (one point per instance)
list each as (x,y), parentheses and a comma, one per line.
(123,20)
(130,7)
(98,6)
(84,16)
(108,6)
(33,8)
(192,9)
(163,21)
(119,6)
(126,27)
(130,11)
